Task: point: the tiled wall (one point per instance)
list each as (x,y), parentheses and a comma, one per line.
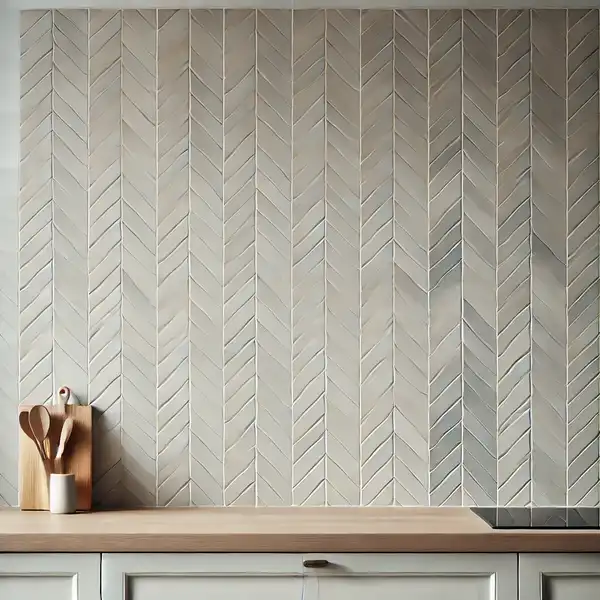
(316,257)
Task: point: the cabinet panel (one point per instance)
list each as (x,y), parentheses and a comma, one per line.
(422,576)
(559,576)
(201,576)
(423,587)
(50,576)
(195,587)
(25,587)
(569,587)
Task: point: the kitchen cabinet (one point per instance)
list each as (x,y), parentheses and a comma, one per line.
(50,576)
(559,576)
(257,576)
(333,577)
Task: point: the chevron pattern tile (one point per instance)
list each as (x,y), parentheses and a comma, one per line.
(308,262)
(582,258)
(69,198)
(139,256)
(173,250)
(446,349)
(239,256)
(479,147)
(206,257)
(312,257)
(376,258)
(513,278)
(104,248)
(274,257)
(548,262)
(342,252)
(35,209)
(411,231)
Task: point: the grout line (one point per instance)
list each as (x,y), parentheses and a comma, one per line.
(156,210)
(360,273)
(598,278)
(428,260)
(189,255)
(531,437)
(52,205)
(224,395)
(256,236)
(325,262)
(121,229)
(18,199)
(462,254)
(87,254)
(293,445)
(566,308)
(496,224)
(394,258)
(291,229)
(19,237)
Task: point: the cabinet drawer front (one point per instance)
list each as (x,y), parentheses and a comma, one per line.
(50,576)
(559,576)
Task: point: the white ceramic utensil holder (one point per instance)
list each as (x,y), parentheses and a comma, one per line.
(63,494)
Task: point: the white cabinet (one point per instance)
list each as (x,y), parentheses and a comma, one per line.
(418,576)
(559,576)
(201,577)
(285,577)
(50,576)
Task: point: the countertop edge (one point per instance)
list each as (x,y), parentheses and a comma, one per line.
(488,542)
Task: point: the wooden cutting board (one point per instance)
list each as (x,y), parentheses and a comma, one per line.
(33,476)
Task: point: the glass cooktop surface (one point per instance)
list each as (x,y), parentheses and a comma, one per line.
(539,517)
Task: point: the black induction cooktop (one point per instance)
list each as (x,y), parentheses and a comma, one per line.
(540,517)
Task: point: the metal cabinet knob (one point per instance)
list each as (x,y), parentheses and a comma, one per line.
(318,563)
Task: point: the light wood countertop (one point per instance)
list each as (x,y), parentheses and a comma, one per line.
(302,530)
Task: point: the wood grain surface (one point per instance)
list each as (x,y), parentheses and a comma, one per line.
(278,530)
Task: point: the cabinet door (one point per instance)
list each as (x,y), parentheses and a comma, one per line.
(50,576)
(422,576)
(201,576)
(559,576)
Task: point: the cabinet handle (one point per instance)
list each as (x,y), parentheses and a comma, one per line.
(319,563)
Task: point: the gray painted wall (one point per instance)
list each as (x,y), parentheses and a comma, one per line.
(320,257)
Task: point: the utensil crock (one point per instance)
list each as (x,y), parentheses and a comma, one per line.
(63,493)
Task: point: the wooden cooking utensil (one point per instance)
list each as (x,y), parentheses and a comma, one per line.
(26,427)
(39,421)
(76,459)
(65,434)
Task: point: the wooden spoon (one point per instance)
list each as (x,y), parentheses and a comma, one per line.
(65,434)
(39,421)
(26,427)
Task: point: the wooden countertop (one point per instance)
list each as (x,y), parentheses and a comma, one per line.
(301,530)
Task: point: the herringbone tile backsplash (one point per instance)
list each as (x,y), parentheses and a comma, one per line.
(316,257)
